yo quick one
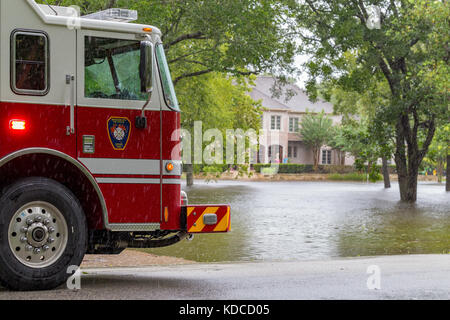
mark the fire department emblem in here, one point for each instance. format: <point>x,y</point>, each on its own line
<point>119,132</point>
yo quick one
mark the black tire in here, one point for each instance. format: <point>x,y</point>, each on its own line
<point>14,274</point>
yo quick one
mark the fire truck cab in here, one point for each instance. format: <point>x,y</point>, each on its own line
<point>89,143</point>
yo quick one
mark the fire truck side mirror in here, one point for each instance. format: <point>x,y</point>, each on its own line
<point>146,67</point>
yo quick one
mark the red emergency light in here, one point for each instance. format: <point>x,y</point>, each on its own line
<point>19,125</point>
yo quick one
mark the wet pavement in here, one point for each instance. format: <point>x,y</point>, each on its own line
<point>279,221</point>
<point>400,277</point>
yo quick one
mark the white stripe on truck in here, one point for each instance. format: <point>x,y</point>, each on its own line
<point>121,166</point>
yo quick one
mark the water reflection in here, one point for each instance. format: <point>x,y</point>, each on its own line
<point>311,220</point>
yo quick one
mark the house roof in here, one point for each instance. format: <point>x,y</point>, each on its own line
<point>299,102</point>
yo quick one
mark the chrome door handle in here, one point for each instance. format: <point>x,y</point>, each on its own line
<point>70,80</point>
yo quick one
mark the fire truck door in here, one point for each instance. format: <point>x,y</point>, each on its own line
<point>125,160</point>
<point>66,68</point>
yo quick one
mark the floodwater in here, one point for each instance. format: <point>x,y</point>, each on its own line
<point>275,221</point>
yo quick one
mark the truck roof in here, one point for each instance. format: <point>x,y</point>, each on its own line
<point>58,15</point>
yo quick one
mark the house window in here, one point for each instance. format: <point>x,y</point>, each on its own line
<point>29,62</point>
<point>275,122</point>
<point>293,124</point>
<point>292,152</point>
<point>326,156</point>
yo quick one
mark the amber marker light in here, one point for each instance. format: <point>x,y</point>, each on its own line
<point>166,214</point>
<point>169,167</point>
<point>18,125</point>
<point>147,29</point>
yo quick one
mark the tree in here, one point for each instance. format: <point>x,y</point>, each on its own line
<point>218,102</point>
<point>359,110</point>
<point>447,175</point>
<point>316,131</point>
<point>338,143</point>
<point>406,44</point>
<point>355,138</point>
<point>234,37</point>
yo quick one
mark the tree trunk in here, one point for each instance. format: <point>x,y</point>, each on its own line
<point>440,170</point>
<point>189,174</point>
<point>407,174</point>
<point>316,154</point>
<point>111,4</point>
<point>407,182</point>
<point>385,169</point>
<point>447,176</point>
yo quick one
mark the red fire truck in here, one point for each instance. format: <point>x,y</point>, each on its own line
<point>89,150</point>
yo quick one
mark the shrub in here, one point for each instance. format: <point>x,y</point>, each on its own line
<point>374,174</point>
<point>303,168</point>
<point>204,168</point>
<point>285,168</point>
<point>355,176</point>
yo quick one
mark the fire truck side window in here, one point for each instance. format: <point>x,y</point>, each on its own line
<point>168,88</point>
<point>111,69</point>
<point>30,57</point>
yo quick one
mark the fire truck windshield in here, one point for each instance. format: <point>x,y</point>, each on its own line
<point>112,69</point>
<point>166,80</point>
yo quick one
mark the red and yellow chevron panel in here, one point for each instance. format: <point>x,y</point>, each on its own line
<point>208,218</point>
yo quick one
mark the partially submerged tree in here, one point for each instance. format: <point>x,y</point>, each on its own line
<point>406,43</point>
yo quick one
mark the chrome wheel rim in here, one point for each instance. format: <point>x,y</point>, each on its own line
<point>37,234</point>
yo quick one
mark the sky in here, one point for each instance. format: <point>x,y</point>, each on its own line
<point>299,60</point>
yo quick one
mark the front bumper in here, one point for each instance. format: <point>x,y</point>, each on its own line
<point>207,218</point>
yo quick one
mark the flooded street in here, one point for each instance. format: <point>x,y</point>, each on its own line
<point>275,221</point>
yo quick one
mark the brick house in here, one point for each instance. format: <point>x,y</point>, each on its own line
<point>280,140</point>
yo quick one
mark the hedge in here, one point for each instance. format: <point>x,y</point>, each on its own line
<point>305,168</point>
<point>283,168</point>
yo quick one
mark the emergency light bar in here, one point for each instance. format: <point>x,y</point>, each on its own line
<point>114,14</point>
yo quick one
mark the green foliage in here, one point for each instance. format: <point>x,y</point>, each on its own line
<point>355,176</point>
<point>218,102</point>
<point>285,168</point>
<point>316,131</point>
<point>234,37</point>
<point>408,53</point>
<point>374,174</point>
<point>216,168</point>
<point>438,151</point>
<point>355,138</point>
